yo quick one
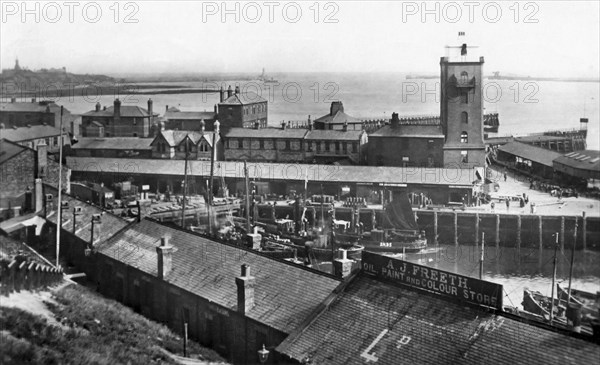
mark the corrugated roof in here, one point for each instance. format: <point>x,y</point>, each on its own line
<point>284,294</point>
<point>29,133</point>
<point>581,160</point>
<point>243,99</point>
<point>131,111</point>
<point>333,135</point>
<point>113,143</point>
<point>374,320</point>
<point>412,130</point>
<point>296,133</point>
<point>281,171</point>
<point>9,150</point>
<point>189,115</point>
<point>536,154</point>
<point>339,117</point>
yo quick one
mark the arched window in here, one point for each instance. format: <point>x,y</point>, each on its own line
<point>464,77</point>
<point>464,117</point>
<point>464,137</point>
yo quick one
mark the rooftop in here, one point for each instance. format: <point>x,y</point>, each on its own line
<point>296,133</point>
<point>410,130</point>
<point>29,133</point>
<point>30,107</point>
<point>330,134</point>
<point>179,115</point>
<point>113,143</point>
<point>285,294</point>
<point>9,150</point>
<point>128,111</point>
<point>281,171</point>
<point>581,160</point>
<point>339,117</point>
<point>243,99</point>
<point>376,322</point>
<point>174,138</point>
<point>536,154</point>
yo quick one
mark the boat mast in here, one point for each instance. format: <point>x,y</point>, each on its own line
<point>572,261</point>
<point>59,210</point>
<point>482,255</point>
<point>184,182</point>
<point>553,279</point>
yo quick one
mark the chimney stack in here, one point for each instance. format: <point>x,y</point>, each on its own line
<point>336,106</point>
<point>117,107</point>
<point>237,90</point>
<point>164,255</point>
<point>229,91</point>
<point>342,267</point>
<point>98,106</point>
<point>166,108</point>
<point>221,94</point>
<point>395,120</point>
<point>283,124</point>
<point>245,290</point>
<point>345,126</point>
<point>42,159</point>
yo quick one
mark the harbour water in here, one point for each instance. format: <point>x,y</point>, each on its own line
<point>523,106</point>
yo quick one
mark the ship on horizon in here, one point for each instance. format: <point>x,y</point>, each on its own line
<point>265,79</point>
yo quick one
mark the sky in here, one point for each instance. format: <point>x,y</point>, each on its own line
<point>541,38</point>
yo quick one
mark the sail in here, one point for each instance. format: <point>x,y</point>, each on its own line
<point>399,214</point>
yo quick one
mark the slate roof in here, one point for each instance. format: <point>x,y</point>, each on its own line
<point>424,329</point>
<point>174,138</point>
<point>333,135</point>
<point>281,171</point>
<point>29,133</point>
<point>338,118</point>
<point>9,150</point>
<point>284,294</point>
<point>243,99</point>
<point>129,111</point>
<point>295,133</point>
<point>411,130</point>
<point>113,143</point>
<point>581,160</point>
<point>28,107</point>
<point>179,115</point>
<point>110,225</point>
<point>536,154</point>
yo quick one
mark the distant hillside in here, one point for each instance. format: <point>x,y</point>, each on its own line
<point>26,82</point>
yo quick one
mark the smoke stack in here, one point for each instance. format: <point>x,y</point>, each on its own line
<point>245,290</point>
<point>342,266</point>
<point>117,107</point>
<point>150,103</point>
<point>164,257</point>
<point>229,91</point>
<point>395,120</point>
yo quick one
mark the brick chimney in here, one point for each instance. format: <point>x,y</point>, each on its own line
<point>42,160</point>
<point>229,91</point>
<point>245,290</point>
<point>150,110</point>
<point>221,94</point>
<point>117,110</point>
<point>336,106</point>
<point>342,266</point>
<point>164,257</point>
<point>395,120</point>
<point>98,106</point>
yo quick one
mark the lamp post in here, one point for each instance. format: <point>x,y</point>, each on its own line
<point>263,355</point>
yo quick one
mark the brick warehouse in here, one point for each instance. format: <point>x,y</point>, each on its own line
<point>174,276</point>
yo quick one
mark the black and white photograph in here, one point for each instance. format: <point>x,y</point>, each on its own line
<point>299,182</point>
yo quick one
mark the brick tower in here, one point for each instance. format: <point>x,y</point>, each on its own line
<point>461,107</point>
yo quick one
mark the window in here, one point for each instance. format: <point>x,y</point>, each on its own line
<point>261,144</point>
<point>464,97</point>
<point>287,145</point>
<point>204,147</point>
<point>327,146</point>
<point>135,134</point>
<point>464,117</point>
<point>240,143</point>
<point>464,137</point>
<point>337,146</point>
<point>464,156</point>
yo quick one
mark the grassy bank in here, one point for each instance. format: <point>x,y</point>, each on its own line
<point>92,330</point>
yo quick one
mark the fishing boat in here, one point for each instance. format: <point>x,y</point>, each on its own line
<point>590,303</point>
<point>398,233</point>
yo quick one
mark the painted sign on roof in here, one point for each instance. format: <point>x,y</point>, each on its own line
<point>445,283</point>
